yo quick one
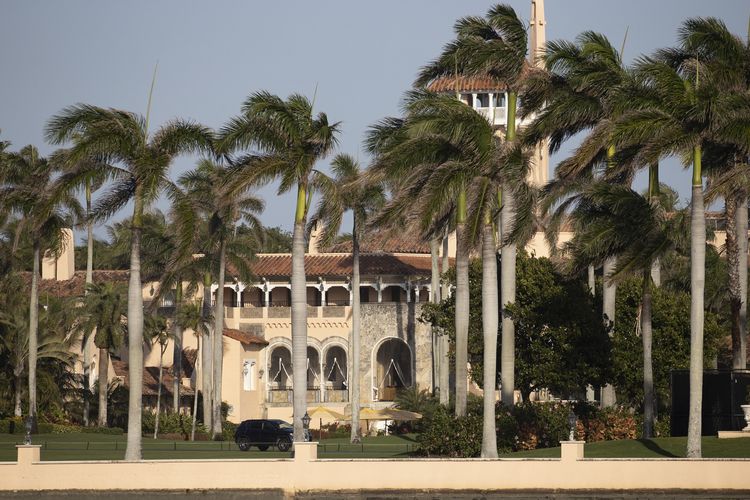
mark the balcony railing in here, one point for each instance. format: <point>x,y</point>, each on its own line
<point>280,395</point>
<point>336,396</point>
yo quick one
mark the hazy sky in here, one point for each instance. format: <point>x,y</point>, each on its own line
<point>361,56</point>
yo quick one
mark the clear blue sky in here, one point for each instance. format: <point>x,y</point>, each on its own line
<point>212,54</point>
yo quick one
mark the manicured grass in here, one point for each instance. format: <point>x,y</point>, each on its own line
<point>652,448</point>
<point>79,446</point>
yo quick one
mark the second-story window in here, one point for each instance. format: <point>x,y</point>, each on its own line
<point>499,100</point>
<point>483,100</point>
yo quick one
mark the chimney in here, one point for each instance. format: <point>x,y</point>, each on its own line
<point>61,268</point>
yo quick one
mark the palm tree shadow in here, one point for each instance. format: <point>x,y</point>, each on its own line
<point>653,446</point>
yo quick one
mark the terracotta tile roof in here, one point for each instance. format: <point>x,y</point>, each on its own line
<point>151,379</point>
<point>340,265</point>
<point>74,287</point>
<point>383,242</point>
<point>466,84</point>
<point>244,337</point>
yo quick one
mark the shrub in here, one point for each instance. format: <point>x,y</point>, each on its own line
<point>227,431</point>
<point>445,435</point>
<point>541,425</point>
<point>170,423</point>
<point>604,424</point>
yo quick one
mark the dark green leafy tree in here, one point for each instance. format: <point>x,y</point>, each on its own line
<point>561,343</point>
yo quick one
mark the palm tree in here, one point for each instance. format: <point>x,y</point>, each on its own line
<point>449,148</point>
<point>29,189</point>
<point>139,167</point>
<point>104,310</point>
<point>584,89</point>
<point>289,140</point>
<point>347,191</point>
<point>612,220</point>
<point>190,317</point>
<point>14,337</point>
<point>155,331</point>
<point>725,58</point>
<point>494,46</point>
<point>224,210</point>
<point>687,114</point>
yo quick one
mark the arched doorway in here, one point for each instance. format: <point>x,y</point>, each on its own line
<point>392,369</point>
<point>280,375</point>
<point>313,375</point>
<point>336,375</point>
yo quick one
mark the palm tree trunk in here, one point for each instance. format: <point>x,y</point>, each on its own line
<point>299,316</point>
<point>103,372</point>
<point>89,280</point>
<point>198,383</point>
<point>742,244</point>
<point>135,335</point>
<point>158,391</point>
<point>354,376</point>
<point>33,328</point>
<point>697,285</point>
<point>462,307</point>
<point>609,294</point>
<point>445,372</point>
<point>435,298</point>
<point>489,327</point>
<point>507,296</point>
<point>653,191</point>
<point>18,410</point>
<point>648,369</point>
<point>206,359</point>
<point>733,272</point>
<point>218,347</point>
<point>177,351</point>
<point>591,280</point>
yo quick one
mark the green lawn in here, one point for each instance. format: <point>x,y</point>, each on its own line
<point>651,448</point>
<point>80,446</point>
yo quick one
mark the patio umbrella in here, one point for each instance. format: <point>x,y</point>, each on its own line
<point>401,415</point>
<point>322,412</point>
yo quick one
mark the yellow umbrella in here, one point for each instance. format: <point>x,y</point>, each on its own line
<point>401,415</point>
<point>323,412</point>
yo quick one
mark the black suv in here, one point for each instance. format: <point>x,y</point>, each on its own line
<point>264,434</point>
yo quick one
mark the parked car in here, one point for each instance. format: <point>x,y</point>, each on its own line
<point>264,434</point>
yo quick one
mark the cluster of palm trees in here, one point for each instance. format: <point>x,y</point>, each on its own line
<point>445,168</point>
<point>690,102</point>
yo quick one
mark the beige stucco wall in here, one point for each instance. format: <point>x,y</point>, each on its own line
<point>307,473</point>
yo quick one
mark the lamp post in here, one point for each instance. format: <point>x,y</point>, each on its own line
<point>572,425</point>
<point>306,425</point>
<point>29,425</point>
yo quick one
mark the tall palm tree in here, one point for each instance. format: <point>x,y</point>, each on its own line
<point>725,59</point>
<point>155,331</point>
<point>494,46</point>
<point>190,317</point>
<point>29,190</point>
<point>612,220</point>
<point>288,140</point>
<point>448,147</point>
<point>584,89</point>
<point>688,114</point>
<point>139,164</point>
<point>347,191</point>
<point>224,210</point>
<point>104,309</point>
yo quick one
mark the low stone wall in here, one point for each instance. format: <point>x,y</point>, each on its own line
<point>305,472</point>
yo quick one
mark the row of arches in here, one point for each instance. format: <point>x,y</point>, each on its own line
<point>327,375</point>
<point>337,295</point>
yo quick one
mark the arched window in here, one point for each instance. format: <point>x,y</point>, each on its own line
<point>393,369</point>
